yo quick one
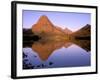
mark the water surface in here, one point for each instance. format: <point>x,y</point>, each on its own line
<point>56,54</point>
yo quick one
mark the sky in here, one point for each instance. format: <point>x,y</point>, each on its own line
<point>71,20</point>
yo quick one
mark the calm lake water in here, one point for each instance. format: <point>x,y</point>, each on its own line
<point>53,55</point>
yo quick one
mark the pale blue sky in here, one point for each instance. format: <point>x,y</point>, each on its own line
<point>70,20</point>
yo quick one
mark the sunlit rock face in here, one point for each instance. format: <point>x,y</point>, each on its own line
<point>44,25</point>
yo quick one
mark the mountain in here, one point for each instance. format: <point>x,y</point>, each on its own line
<point>43,20</point>
<point>44,25</point>
<point>45,29</point>
<point>83,32</point>
<point>67,31</point>
<point>58,30</point>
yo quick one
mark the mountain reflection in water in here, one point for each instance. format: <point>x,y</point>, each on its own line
<point>51,54</point>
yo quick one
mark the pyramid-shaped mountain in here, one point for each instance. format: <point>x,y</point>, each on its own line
<point>43,20</point>
<point>44,25</point>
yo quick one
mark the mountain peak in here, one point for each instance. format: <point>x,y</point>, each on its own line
<point>44,20</point>
<point>46,26</point>
<point>87,25</point>
<point>43,25</point>
<point>84,31</point>
<point>43,17</point>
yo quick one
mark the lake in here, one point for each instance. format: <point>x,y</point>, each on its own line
<point>58,54</point>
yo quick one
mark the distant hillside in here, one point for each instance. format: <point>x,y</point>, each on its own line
<point>83,32</point>
<point>67,31</point>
